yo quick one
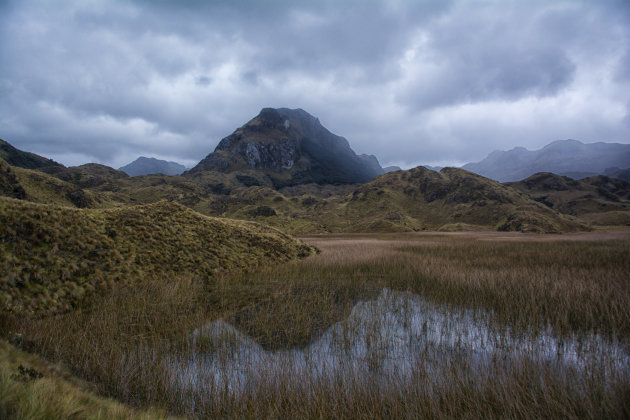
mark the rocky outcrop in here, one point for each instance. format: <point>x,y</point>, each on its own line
<point>291,147</point>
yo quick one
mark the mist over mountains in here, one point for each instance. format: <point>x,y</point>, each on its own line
<point>146,166</point>
<point>563,157</point>
<point>284,168</point>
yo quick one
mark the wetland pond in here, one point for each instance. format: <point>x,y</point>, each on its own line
<point>396,338</point>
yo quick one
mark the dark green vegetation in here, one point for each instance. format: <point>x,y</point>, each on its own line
<point>52,257</point>
<point>576,284</point>
<point>22,159</point>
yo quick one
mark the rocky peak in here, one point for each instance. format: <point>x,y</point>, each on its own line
<point>291,147</point>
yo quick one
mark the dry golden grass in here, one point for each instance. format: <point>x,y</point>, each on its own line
<point>53,257</point>
<point>568,284</point>
<point>33,389</point>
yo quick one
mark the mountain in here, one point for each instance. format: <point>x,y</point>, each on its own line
<point>600,200</point>
<point>146,166</point>
<point>284,147</point>
<point>559,157</point>
<point>403,200</point>
<point>16,157</point>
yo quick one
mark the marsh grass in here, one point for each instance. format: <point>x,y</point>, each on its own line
<point>125,342</point>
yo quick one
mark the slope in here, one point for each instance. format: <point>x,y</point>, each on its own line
<point>416,199</point>
<point>282,147</point>
<point>55,256</point>
<point>16,157</point>
<point>39,187</point>
<point>599,200</point>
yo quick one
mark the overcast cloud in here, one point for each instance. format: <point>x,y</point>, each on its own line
<point>431,82</point>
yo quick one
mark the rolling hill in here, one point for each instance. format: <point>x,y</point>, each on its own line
<point>53,256</point>
<point>599,200</point>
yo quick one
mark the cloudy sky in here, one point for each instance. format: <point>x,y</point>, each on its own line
<point>431,82</point>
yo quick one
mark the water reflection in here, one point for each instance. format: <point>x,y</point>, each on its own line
<point>383,341</point>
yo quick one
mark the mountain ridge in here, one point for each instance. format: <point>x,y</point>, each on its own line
<point>559,157</point>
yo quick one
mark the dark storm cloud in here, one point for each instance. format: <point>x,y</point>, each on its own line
<point>412,82</point>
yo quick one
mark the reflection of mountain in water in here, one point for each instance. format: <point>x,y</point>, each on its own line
<point>390,338</point>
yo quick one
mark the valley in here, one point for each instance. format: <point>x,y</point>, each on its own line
<point>285,276</point>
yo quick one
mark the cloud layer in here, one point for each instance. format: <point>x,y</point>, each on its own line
<point>439,82</point>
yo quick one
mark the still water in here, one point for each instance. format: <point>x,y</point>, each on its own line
<point>384,341</point>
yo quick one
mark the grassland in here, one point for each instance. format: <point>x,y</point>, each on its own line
<point>31,388</point>
<point>124,343</point>
<point>53,257</point>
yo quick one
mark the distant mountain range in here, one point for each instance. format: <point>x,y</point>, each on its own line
<point>285,169</point>
<point>289,147</point>
<point>564,157</point>
<point>147,166</point>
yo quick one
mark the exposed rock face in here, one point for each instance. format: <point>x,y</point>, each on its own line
<point>291,147</point>
<point>275,157</point>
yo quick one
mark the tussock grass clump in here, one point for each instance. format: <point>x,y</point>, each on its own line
<point>52,257</point>
<point>30,388</point>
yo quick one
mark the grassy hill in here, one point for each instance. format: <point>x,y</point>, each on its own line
<point>55,256</point>
<point>452,199</point>
<point>411,200</point>
<point>39,187</point>
<point>599,200</point>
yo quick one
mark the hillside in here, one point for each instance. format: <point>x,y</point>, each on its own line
<point>39,187</point>
<point>560,157</point>
<point>412,200</point>
<point>148,166</point>
<point>55,256</point>
<point>452,199</point>
<point>404,200</point>
<point>19,158</point>
<point>599,200</point>
<point>283,147</point>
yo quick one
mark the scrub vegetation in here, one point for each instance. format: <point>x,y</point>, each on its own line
<point>53,257</point>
